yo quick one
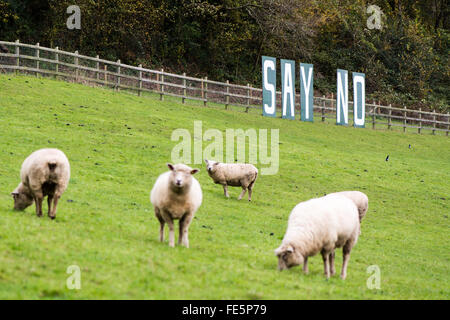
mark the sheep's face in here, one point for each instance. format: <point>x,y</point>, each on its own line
<point>22,199</point>
<point>288,257</point>
<point>211,166</point>
<point>181,176</point>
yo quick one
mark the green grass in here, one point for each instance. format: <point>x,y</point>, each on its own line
<point>119,143</point>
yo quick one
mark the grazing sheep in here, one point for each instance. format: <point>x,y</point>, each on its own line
<point>176,195</point>
<point>45,172</point>
<point>360,199</point>
<point>233,174</point>
<point>320,225</point>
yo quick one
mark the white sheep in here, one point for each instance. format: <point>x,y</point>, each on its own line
<point>359,198</point>
<point>176,194</point>
<point>361,201</point>
<point>233,174</point>
<point>320,225</point>
<point>45,172</point>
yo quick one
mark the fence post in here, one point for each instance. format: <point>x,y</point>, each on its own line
<point>202,88</point>
<point>106,73</point>
<point>374,111</point>
<point>17,55</point>
<point>227,97</point>
<point>118,76</point>
<point>448,124</point>
<point>76,66</point>
<point>248,97</point>
<point>98,66</point>
<point>323,108</point>
<point>161,95</point>
<point>37,60</point>
<point>184,88</point>
<point>158,86</point>
<point>140,80</point>
<point>389,119</point>
<point>434,122</point>
<point>404,119</point>
<point>206,92</point>
<point>57,62</point>
<point>420,120</point>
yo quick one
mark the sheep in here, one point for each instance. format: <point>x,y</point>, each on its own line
<point>176,194</point>
<point>45,172</point>
<point>320,225</point>
<point>233,174</point>
<point>359,198</point>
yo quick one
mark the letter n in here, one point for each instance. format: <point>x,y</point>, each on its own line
<point>342,97</point>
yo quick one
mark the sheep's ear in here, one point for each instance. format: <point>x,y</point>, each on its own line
<point>278,251</point>
<point>194,171</point>
<point>290,249</point>
<point>216,163</point>
<point>206,161</point>
<point>170,166</point>
<point>14,194</point>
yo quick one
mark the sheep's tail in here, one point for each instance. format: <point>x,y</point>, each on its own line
<point>52,165</point>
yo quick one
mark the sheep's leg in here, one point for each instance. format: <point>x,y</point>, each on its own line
<point>180,231</point>
<point>184,230</point>
<point>171,233</point>
<point>332,268</point>
<point>161,224</point>
<point>250,190</point>
<point>244,189</point>
<point>49,204</point>
<point>38,197</point>
<point>346,257</point>
<point>305,265</point>
<point>326,263</point>
<point>225,190</point>
<point>55,204</point>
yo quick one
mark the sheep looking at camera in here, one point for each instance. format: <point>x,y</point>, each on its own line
<point>233,174</point>
<point>45,172</point>
<point>176,195</point>
<point>320,225</point>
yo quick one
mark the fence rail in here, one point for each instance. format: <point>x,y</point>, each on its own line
<point>35,59</point>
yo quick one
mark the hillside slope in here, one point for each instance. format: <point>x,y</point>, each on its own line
<point>118,144</point>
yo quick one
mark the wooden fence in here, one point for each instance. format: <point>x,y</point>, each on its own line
<point>34,59</point>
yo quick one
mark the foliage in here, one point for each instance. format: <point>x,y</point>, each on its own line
<point>406,62</point>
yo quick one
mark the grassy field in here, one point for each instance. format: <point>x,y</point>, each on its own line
<point>119,143</point>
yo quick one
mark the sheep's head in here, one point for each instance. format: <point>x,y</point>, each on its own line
<point>288,257</point>
<point>211,166</point>
<point>22,198</point>
<point>180,176</point>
